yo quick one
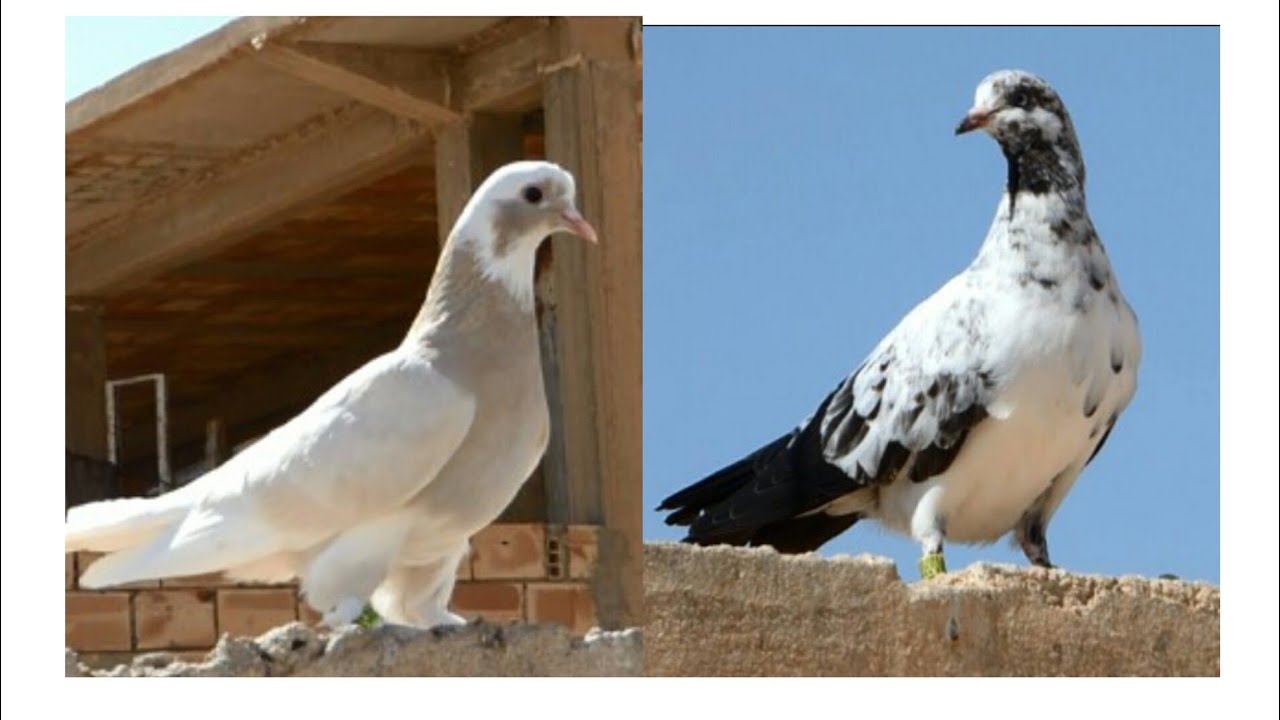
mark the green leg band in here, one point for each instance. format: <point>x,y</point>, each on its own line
<point>932,565</point>
<point>368,618</point>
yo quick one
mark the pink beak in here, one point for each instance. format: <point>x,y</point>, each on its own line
<point>578,225</point>
<point>974,120</point>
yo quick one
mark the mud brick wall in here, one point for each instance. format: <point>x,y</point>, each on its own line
<point>515,573</point>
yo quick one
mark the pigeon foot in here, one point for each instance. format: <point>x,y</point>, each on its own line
<point>344,613</point>
<point>449,619</point>
<point>932,565</point>
<point>368,618</point>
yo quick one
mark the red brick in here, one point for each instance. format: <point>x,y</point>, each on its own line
<point>493,601</point>
<point>85,558</point>
<point>98,622</point>
<point>174,619</point>
<point>567,604</point>
<point>71,570</point>
<point>582,550</point>
<point>508,552</point>
<point>249,613</point>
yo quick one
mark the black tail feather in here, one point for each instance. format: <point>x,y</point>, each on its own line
<point>720,485</point>
<point>768,497</point>
<point>804,534</point>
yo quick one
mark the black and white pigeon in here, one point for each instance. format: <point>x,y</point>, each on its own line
<point>976,414</point>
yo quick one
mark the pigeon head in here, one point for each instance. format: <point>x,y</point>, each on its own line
<point>510,214</point>
<point>1030,122</point>
<point>522,203</point>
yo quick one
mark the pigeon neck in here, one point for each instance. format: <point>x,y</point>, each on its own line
<point>1039,229</point>
<point>465,296</point>
<point>510,267</point>
<point>1038,166</point>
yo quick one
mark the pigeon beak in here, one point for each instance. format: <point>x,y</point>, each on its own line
<point>974,120</point>
<point>572,221</point>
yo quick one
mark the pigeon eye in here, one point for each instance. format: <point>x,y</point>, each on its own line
<point>1019,99</point>
<point>532,194</point>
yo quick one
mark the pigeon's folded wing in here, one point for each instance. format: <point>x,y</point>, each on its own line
<point>912,402</point>
<point>361,450</point>
<point>907,408</point>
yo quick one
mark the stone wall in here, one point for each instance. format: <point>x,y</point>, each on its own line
<point>731,611</point>
<point>479,649</point>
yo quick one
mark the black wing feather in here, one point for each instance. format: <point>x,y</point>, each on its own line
<point>775,495</point>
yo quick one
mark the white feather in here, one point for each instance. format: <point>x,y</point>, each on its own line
<point>360,451</point>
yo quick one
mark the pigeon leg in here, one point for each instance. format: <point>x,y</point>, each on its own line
<point>341,577</point>
<point>1031,538</point>
<point>343,613</point>
<point>419,594</point>
<point>929,529</point>
<point>932,565</point>
<point>368,618</point>
<point>446,619</point>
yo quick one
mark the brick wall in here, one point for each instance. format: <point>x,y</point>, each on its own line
<point>515,572</point>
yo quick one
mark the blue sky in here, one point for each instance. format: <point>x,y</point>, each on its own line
<point>803,190</point>
<point>99,48</point>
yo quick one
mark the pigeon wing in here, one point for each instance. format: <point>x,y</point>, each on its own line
<point>910,405</point>
<point>361,450</point>
<point>907,408</point>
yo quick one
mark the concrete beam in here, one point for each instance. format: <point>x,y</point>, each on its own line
<point>409,83</point>
<point>332,156</point>
<point>507,77</point>
<point>593,304</point>
<point>163,72</point>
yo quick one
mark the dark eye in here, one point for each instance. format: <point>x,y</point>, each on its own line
<point>1019,98</point>
<point>532,194</point>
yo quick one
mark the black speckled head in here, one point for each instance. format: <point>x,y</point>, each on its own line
<point>1026,116</point>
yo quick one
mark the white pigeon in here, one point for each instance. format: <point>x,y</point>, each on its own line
<point>975,415</point>
<point>371,493</point>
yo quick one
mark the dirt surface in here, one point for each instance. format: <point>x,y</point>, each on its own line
<point>733,611</point>
<point>478,649</point>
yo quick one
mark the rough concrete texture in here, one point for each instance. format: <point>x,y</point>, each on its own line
<point>733,611</point>
<point>479,649</point>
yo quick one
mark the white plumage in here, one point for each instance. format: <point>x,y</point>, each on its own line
<point>373,491</point>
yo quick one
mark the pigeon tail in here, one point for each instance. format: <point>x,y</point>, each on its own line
<point>762,499</point>
<point>687,504</point>
<point>112,525</point>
